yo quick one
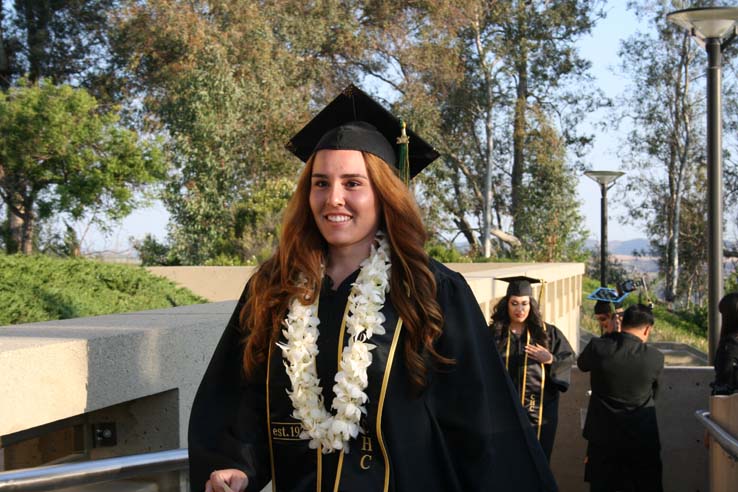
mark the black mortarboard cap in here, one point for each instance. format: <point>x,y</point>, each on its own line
<point>355,121</point>
<point>520,285</point>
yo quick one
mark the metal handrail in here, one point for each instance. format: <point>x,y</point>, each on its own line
<point>727,441</point>
<point>70,474</point>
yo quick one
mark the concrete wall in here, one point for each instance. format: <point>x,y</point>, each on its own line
<point>560,306</point>
<point>60,369</point>
<point>682,391</point>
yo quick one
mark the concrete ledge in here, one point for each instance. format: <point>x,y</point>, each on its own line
<point>54,370</point>
<point>562,298</point>
<point>219,283</point>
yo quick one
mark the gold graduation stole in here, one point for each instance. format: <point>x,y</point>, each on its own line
<point>531,386</point>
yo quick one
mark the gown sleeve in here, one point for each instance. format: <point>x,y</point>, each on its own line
<point>560,370</point>
<point>587,359</point>
<point>486,434</point>
<point>227,427</point>
<point>726,368</point>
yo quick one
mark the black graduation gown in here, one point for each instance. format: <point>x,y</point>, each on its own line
<point>464,432</point>
<point>726,367</point>
<point>621,427</point>
<point>553,379</point>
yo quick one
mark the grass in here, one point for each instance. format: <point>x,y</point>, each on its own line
<point>42,288</point>
<point>671,325</point>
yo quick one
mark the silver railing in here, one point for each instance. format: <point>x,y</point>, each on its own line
<point>728,442</point>
<point>83,473</point>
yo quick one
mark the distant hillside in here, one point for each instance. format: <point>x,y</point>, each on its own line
<point>41,288</point>
<point>621,247</point>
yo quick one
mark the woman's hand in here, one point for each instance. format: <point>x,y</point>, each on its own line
<point>230,480</point>
<point>539,353</point>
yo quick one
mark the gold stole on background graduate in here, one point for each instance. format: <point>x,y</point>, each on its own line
<point>532,385</point>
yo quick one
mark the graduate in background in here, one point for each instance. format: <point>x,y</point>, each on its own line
<point>622,433</point>
<point>354,362</point>
<point>537,356</point>
<point>609,315</point>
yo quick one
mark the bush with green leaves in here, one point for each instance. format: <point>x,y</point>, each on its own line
<point>41,288</point>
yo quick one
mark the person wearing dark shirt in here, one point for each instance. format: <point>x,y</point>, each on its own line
<point>608,315</point>
<point>726,354</point>
<point>536,354</point>
<point>623,447</point>
<point>353,362</point>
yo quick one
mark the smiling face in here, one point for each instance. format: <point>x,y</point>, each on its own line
<point>518,308</point>
<point>343,201</point>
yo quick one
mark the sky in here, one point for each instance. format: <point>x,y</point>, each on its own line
<point>600,48</point>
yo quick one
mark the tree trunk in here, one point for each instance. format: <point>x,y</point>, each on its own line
<point>29,225</point>
<point>672,252</point>
<point>37,16</point>
<point>15,232</point>
<point>468,232</point>
<point>489,151</point>
<point>4,56</point>
<point>519,120</point>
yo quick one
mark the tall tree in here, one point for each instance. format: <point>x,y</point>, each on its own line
<point>549,224</point>
<point>61,154</point>
<point>463,68</point>
<point>666,138</point>
<point>539,43</point>
<point>61,41</point>
<point>229,82</point>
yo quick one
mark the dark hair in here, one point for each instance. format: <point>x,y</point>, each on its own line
<point>728,307</point>
<point>636,316</point>
<point>603,307</point>
<point>534,321</point>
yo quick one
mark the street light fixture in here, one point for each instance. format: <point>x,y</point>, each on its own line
<point>606,180</point>
<point>713,28</point>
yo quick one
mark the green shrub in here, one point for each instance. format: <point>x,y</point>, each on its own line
<point>41,288</point>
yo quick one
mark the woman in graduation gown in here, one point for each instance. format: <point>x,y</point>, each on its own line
<point>537,356</point>
<point>353,362</point>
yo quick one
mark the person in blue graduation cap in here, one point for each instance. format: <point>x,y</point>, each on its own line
<point>609,316</point>
<point>536,354</point>
<point>353,361</point>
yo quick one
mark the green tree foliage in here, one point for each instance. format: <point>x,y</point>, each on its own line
<point>153,253</point>
<point>549,225</point>
<point>60,154</point>
<point>456,68</point>
<point>665,145</point>
<point>65,41</point>
<point>229,82</point>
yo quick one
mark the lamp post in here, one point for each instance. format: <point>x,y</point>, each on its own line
<point>606,180</point>
<point>713,28</point>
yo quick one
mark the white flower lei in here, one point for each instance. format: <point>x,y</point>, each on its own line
<point>333,432</point>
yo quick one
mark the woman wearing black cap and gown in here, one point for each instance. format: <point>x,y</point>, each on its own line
<point>353,362</point>
<point>536,354</point>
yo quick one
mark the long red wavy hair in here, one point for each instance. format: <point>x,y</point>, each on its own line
<point>301,253</point>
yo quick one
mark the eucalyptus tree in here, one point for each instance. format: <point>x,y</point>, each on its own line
<point>665,145</point>
<point>469,72</point>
